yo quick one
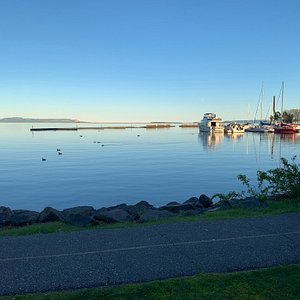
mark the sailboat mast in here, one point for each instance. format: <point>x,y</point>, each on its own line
<point>282,97</point>
<point>262,99</point>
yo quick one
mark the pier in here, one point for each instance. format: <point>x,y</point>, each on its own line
<point>148,126</point>
<point>83,128</point>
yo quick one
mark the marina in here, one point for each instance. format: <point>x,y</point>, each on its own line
<point>213,124</point>
<point>109,167</point>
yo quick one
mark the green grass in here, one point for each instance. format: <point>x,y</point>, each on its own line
<point>274,207</point>
<point>274,283</point>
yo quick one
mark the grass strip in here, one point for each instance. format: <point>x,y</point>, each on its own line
<point>274,283</point>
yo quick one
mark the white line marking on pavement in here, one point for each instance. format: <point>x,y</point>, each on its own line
<point>148,246</point>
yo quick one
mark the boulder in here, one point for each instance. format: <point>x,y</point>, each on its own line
<point>138,209</point>
<point>224,204</point>
<point>176,208</point>
<point>50,214</point>
<point>155,214</point>
<point>205,201</point>
<point>79,216</point>
<point>79,210</point>
<point>120,206</point>
<point>248,202</point>
<point>113,215</point>
<point>24,217</point>
<point>195,202</point>
<point>79,220</point>
<point>173,203</point>
<point>5,216</point>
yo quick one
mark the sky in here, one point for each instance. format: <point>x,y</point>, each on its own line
<point>147,60</point>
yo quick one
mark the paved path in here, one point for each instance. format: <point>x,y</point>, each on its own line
<point>106,257</point>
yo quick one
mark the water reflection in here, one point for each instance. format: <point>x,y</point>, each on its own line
<point>210,140</point>
<point>234,136</point>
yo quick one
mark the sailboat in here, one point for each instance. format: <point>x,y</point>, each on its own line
<point>284,128</point>
<point>262,127</point>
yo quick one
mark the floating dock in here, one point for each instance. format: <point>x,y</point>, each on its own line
<point>147,126</point>
<point>83,128</point>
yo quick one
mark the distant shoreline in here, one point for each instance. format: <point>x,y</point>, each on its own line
<point>72,121</point>
<point>33,120</point>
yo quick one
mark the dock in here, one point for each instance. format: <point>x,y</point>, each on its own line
<point>83,128</point>
<point>148,126</point>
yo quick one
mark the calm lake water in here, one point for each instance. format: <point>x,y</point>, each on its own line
<point>159,165</point>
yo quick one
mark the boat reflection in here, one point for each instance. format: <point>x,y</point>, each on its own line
<point>210,140</point>
<point>234,136</point>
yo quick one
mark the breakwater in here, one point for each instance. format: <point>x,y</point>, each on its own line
<point>148,126</point>
<point>138,213</point>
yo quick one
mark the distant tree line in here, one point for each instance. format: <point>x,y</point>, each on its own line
<point>288,116</point>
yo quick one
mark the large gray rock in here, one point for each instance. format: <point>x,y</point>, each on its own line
<point>24,217</point>
<point>176,208</point>
<point>79,220</point>
<point>79,216</point>
<point>195,202</point>
<point>50,214</point>
<point>173,203</point>
<point>113,215</point>
<point>205,201</point>
<point>155,214</point>
<point>224,204</point>
<point>6,215</point>
<point>138,209</point>
<point>248,202</point>
<point>120,206</point>
<point>79,210</point>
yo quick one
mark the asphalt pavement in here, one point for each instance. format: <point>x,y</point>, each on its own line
<point>95,258</point>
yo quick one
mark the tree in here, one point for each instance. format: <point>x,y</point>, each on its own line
<point>295,112</point>
<point>287,117</point>
<point>276,117</point>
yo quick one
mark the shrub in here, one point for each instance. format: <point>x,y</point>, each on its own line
<point>282,180</point>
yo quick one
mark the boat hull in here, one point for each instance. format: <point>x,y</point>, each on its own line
<point>211,129</point>
<point>260,129</point>
<point>285,130</point>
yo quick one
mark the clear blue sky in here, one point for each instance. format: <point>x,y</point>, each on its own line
<point>146,60</point>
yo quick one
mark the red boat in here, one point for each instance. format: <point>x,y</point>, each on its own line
<point>285,128</point>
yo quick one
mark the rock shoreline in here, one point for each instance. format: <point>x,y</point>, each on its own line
<point>138,213</point>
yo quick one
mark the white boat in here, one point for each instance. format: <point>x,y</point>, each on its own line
<point>260,129</point>
<point>234,128</point>
<point>211,123</point>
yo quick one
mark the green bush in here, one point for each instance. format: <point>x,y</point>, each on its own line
<point>282,180</point>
